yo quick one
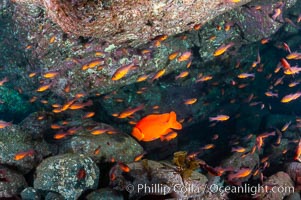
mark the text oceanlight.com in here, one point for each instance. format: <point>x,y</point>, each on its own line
<point>213,188</point>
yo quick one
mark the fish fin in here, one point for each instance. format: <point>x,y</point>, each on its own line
<point>137,134</point>
<point>173,121</point>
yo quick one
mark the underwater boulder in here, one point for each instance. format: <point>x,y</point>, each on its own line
<point>105,194</point>
<point>279,180</point>
<point>30,193</point>
<point>68,174</point>
<point>148,177</point>
<point>15,142</point>
<point>103,147</point>
<point>11,182</point>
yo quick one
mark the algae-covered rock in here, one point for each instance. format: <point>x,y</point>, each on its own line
<point>146,174</point>
<point>30,194</point>
<point>283,186</point>
<point>11,182</point>
<point>13,141</point>
<point>105,194</point>
<point>103,147</point>
<point>67,174</point>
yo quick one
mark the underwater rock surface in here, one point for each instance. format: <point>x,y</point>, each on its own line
<point>67,174</point>
<point>12,183</point>
<point>103,147</point>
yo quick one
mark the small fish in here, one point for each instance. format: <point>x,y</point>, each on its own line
<point>246,75</point>
<point>52,39</point>
<point>290,97</point>
<point>99,131</point>
<point>170,136</point>
<point>242,173</point>
<point>222,49</point>
<point>139,157</point>
<point>60,135</point>
<point>44,87</point>
<point>264,40</point>
<point>182,75</point>
<point>77,106</point>
<point>184,56</point>
<point>122,71</point>
<point>158,74</point>
<point>219,118</point>
<point>208,146</point>
<point>204,78</point>
<point>92,64</point>
<point>292,71</point>
<point>173,55</point>
<point>130,112</point>
<point>298,152</point>
<point>294,55</point>
<point>81,174</point>
<point>32,74</point>
<point>238,149</point>
<point>190,101</point>
<point>276,14</point>
<point>293,84</point>
<point>23,154</point>
<point>88,115</point>
<point>50,75</point>
<point>4,124</point>
<point>142,78</point>
<point>197,27</point>
<point>4,80</point>
<point>285,127</point>
<point>124,167</point>
<point>271,94</point>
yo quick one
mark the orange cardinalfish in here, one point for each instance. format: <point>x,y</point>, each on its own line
<point>23,154</point>
<point>4,124</point>
<point>184,56</point>
<point>190,101</point>
<point>292,71</point>
<point>130,112</point>
<point>139,157</point>
<point>50,75</point>
<point>290,97</point>
<point>182,75</point>
<point>242,173</point>
<point>122,71</point>
<point>246,75</point>
<point>219,118</point>
<point>124,167</point>
<point>3,81</point>
<point>173,55</point>
<point>155,126</point>
<point>92,64</point>
<point>222,49</point>
<point>77,106</point>
<point>98,131</point>
<point>271,94</point>
<point>294,55</point>
<point>158,74</point>
<point>285,127</point>
<point>44,87</point>
<point>89,115</point>
<point>238,149</point>
<point>298,152</point>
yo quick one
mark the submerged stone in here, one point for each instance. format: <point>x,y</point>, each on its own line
<point>67,174</point>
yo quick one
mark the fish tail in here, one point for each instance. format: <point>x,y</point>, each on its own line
<point>173,121</point>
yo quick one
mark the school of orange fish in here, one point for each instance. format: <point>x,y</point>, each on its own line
<point>162,126</point>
